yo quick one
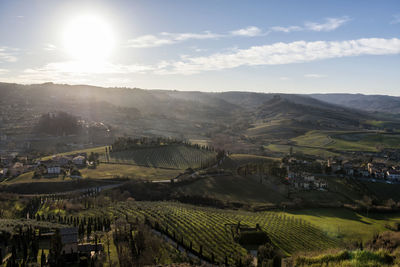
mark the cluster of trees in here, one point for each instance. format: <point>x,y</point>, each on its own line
<point>60,123</point>
<point>138,246</point>
<point>23,245</point>
<point>85,225</point>
<point>127,143</point>
<point>92,225</point>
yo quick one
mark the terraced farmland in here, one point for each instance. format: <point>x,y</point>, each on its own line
<point>208,228</point>
<point>168,156</point>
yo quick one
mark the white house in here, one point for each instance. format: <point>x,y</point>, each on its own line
<point>79,160</point>
<point>53,170</point>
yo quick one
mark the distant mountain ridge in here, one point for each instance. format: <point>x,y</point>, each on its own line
<point>378,103</point>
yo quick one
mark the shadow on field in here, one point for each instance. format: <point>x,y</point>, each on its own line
<point>331,212</point>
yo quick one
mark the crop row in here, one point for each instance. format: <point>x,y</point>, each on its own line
<point>172,156</point>
<point>207,229</point>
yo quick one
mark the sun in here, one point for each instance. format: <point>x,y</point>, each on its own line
<point>88,38</point>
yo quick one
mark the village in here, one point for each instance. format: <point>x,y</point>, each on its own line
<point>12,166</point>
<point>302,173</point>
<point>306,174</point>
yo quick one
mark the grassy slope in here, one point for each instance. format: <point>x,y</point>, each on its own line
<point>346,224</point>
<point>106,171</point>
<point>236,160</point>
<point>209,226</point>
<point>347,258</point>
<point>237,189</point>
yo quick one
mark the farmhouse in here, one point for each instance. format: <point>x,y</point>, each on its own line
<point>54,169</point>
<point>79,160</point>
<point>69,240</point>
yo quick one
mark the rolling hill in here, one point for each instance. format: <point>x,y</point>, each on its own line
<point>237,121</point>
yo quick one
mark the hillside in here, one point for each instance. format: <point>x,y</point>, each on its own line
<point>235,121</point>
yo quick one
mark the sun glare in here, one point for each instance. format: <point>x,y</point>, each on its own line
<point>88,39</point>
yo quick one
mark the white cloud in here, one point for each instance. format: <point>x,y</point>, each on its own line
<point>284,78</point>
<point>286,29</point>
<point>271,54</point>
<point>166,38</point>
<point>78,72</point>
<point>3,71</point>
<point>77,67</point>
<point>250,31</point>
<point>396,19</point>
<point>50,47</point>
<point>7,54</point>
<point>329,25</point>
<point>191,36</point>
<point>282,53</point>
<point>148,41</point>
<point>314,75</point>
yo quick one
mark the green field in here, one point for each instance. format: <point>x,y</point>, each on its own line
<point>209,227</point>
<point>168,156</point>
<point>348,258</point>
<point>346,224</point>
<point>349,141</point>
<point>329,143</point>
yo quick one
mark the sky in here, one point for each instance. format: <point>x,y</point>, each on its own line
<point>310,46</point>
